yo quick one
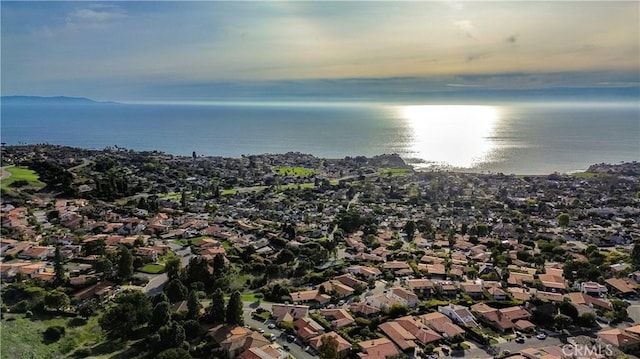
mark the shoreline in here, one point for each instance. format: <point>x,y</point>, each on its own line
<point>414,166</point>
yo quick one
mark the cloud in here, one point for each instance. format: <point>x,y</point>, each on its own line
<point>94,16</point>
<point>466,28</point>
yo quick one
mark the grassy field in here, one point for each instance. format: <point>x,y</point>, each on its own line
<point>394,171</point>
<point>584,174</point>
<point>22,337</point>
<point>151,268</point>
<point>21,173</point>
<point>294,171</point>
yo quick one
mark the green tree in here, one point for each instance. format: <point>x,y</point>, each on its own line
<point>58,267</point>
<point>125,263</point>
<point>174,353</point>
<point>562,321</point>
<point>410,230</point>
<point>285,256</point>
<point>56,300</point>
<point>635,256</point>
<point>176,291</point>
<point>216,311</point>
<point>563,220</point>
<point>171,335</point>
<point>398,310</point>
<point>193,304</point>
<point>160,315</point>
<point>104,266</point>
<point>328,348</point>
<point>234,310</point>
<point>174,268</point>
<point>159,298</point>
<point>131,309</point>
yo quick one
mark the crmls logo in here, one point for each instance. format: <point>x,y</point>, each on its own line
<point>586,350</point>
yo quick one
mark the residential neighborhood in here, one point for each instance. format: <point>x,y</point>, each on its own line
<point>293,256</point>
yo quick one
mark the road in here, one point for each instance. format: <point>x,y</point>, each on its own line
<point>512,347</point>
<point>281,338</point>
<point>157,281</point>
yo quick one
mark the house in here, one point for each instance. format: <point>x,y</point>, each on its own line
<point>381,348</point>
<point>148,254</point>
<point>423,334</point>
<point>307,328</point>
<point>400,336</point>
<point>505,319</point>
<point>492,317</point>
<point>99,290</point>
<point>404,296</point>
<point>446,288</point>
<point>459,314</point>
<point>235,340</point>
<point>289,312</point>
<point>269,351</point>
<point>473,289</point>
<point>334,286</point>
<point>441,324</point>
<point>364,271</point>
<point>497,293</point>
<point>343,344</point>
<point>422,287</point>
<point>312,297</point>
<point>37,252</point>
<point>623,339</point>
<point>622,287</point>
<point>351,281</point>
<point>594,289</point>
<point>337,317</point>
<point>363,308</point>
<point>582,298</point>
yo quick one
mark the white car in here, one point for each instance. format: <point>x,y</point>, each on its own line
<point>271,326</point>
<point>260,330</point>
<point>541,336</point>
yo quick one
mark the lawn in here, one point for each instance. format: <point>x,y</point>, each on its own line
<point>294,171</point>
<point>24,174</point>
<point>151,268</point>
<point>171,195</point>
<point>22,337</point>
<point>583,174</point>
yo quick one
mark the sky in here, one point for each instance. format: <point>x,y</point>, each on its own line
<point>197,50</point>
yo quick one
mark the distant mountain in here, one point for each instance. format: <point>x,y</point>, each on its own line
<point>47,100</point>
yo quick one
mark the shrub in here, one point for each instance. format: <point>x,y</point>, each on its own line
<point>53,334</point>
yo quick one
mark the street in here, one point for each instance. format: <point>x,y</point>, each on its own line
<point>294,348</point>
<point>157,281</point>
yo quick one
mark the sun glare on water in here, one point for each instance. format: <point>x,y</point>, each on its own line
<point>455,135</point>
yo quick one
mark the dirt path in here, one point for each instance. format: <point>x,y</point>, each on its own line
<point>5,174</point>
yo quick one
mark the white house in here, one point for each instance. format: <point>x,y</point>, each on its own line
<point>459,314</point>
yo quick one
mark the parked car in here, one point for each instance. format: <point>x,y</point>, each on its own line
<point>260,330</point>
<point>541,336</point>
<point>520,340</point>
<point>290,338</point>
<point>286,347</point>
<point>271,326</point>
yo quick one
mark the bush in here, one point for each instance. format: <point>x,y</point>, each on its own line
<point>21,307</point>
<point>53,334</point>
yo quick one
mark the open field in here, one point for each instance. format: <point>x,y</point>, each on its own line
<point>21,174</point>
<point>294,171</point>
<point>22,337</point>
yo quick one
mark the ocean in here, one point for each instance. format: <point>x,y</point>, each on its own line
<point>521,138</point>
